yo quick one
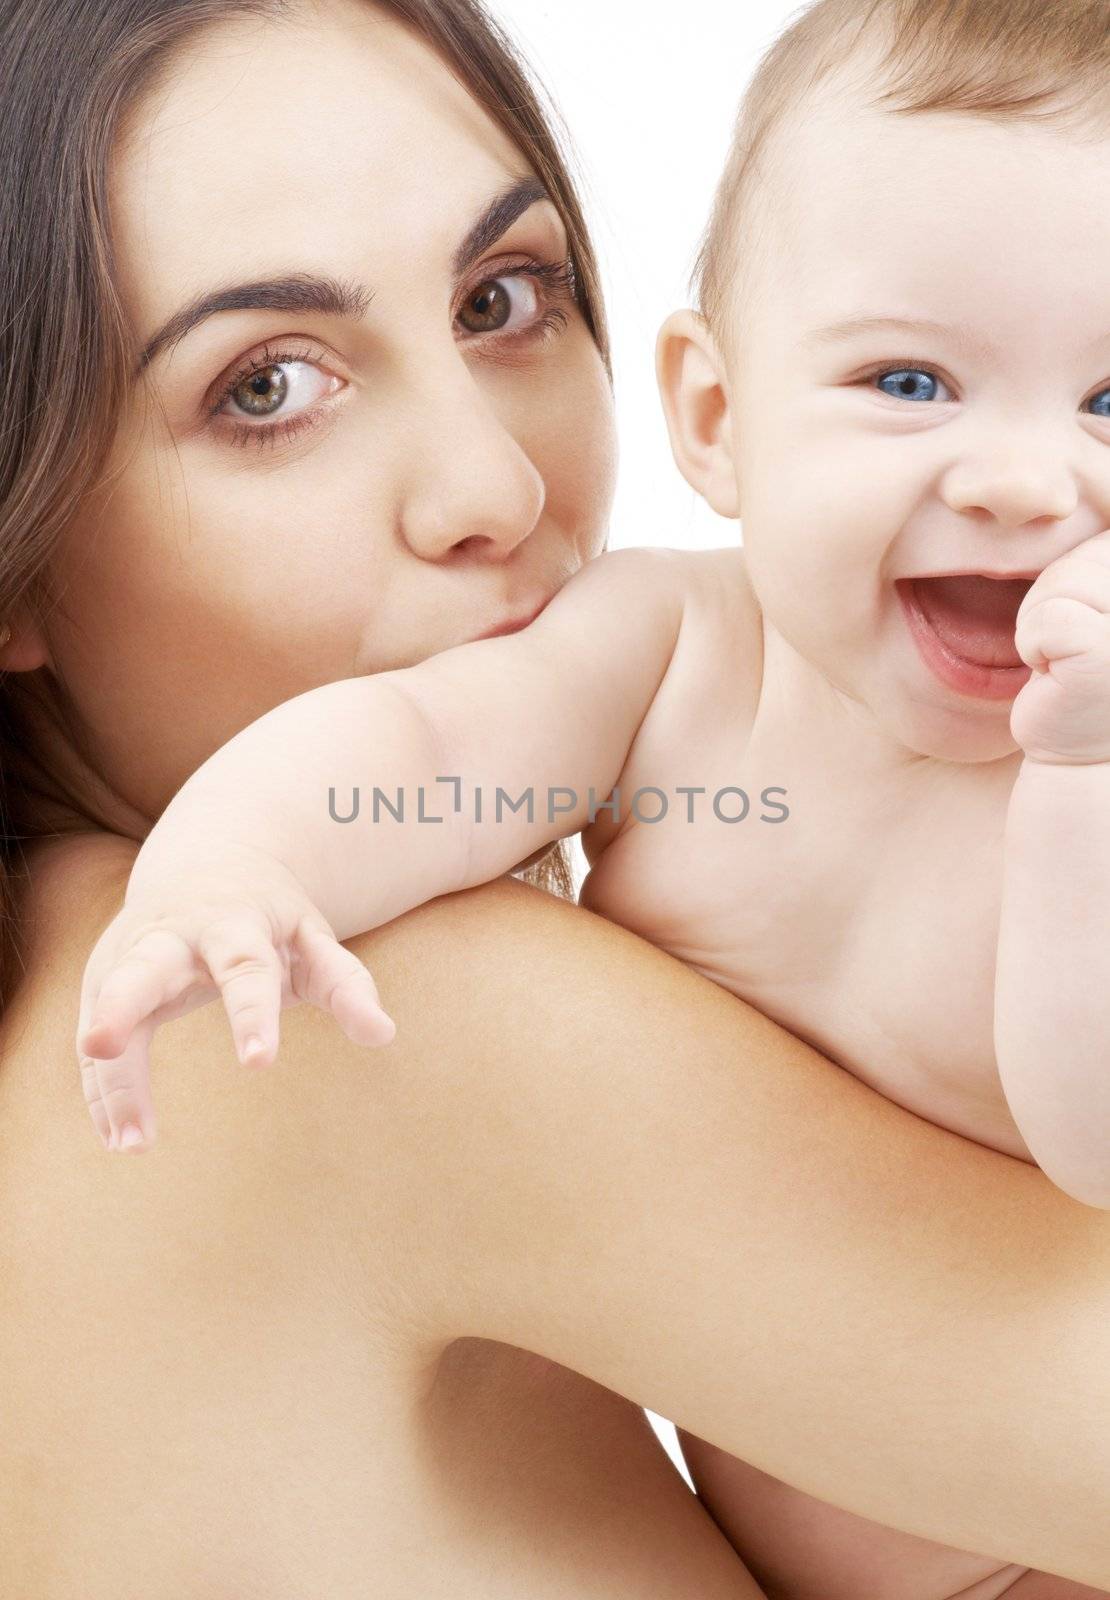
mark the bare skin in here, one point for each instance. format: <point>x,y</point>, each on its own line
<point>451,486</point>
<point>297,1424</point>
<point>925,923</point>
<point>552,1166</point>
<point>463,473</point>
<point>870,923</point>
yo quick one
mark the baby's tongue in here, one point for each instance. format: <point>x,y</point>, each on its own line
<point>975,617</point>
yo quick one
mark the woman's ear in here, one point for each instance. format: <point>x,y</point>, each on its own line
<point>694,391</point>
<point>23,644</point>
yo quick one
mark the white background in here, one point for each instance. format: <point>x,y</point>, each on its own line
<point>648,91</point>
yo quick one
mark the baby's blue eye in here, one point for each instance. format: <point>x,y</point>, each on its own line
<point>909,383</point>
<point>1100,403</point>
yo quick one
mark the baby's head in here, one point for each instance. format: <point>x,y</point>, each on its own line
<point>901,367</point>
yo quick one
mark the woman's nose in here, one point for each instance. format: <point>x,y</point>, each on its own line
<point>1016,483</point>
<point>471,487</point>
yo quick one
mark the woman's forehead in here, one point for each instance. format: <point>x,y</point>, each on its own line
<point>286,139</point>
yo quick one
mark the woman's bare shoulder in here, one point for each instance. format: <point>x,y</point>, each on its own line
<point>251,1278</point>
<point>259,1145</point>
<point>72,888</point>
<point>514,1010</point>
<point>67,886</point>
<point>240,1154</point>
<point>572,1139</point>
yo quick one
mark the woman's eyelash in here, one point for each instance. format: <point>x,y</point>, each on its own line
<point>268,434</point>
<point>560,282</point>
<point>558,279</point>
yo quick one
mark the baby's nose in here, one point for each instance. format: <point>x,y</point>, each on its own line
<point>1013,486</point>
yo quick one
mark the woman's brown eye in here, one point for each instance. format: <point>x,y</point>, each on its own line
<point>261,393</point>
<point>488,308</point>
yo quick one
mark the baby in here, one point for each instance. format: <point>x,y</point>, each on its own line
<point>859,771</point>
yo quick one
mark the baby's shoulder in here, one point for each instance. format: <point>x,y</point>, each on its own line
<point>710,692</point>
<point>721,640</point>
<point>720,612</point>
<point>697,728</point>
<point>720,578</point>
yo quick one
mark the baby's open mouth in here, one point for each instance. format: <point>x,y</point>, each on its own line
<point>974,616</point>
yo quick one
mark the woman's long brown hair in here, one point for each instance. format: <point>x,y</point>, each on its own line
<point>70,72</point>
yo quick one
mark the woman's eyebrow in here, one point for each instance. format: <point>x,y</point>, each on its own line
<point>304,292</point>
<point>497,218</point>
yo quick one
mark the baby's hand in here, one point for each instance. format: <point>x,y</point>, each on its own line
<point>242,927</point>
<point>1062,714</point>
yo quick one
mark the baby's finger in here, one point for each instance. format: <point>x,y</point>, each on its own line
<point>157,969</point>
<point>117,1093</point>
<point>90,1088</point>
<point>1057,628</point>
<point>336,980</point>
<point>90,1082</point>
<point>239,953</point>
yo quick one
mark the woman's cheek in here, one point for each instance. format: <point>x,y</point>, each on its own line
<point>577,454</point>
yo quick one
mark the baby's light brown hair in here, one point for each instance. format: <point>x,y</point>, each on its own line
<point>1024,60</point>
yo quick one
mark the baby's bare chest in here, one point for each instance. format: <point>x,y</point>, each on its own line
<point>862,915</point>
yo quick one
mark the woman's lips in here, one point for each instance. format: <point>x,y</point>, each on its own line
<point>516,624</point>
<point>963,626</point>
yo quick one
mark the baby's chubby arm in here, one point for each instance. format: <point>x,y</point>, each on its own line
<point>551,711</point>
<point>247,882</point>
<point>1052,989</point>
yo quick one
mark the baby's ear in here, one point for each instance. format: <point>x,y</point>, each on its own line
<point>694,391</point>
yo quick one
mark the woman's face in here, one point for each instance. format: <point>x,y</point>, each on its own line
<point>449,458</point>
